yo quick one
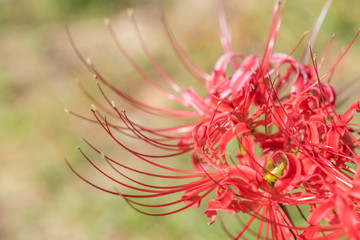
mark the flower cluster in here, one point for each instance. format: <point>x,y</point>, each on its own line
<point>294,151</point>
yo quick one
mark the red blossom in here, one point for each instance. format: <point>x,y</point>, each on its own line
<point>307,151</point>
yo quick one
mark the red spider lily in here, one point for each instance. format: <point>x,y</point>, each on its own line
<point>307,151</point>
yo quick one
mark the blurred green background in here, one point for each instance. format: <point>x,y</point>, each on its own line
<point>40,198</point>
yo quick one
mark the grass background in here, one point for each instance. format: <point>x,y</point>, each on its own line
<point>40,198</point>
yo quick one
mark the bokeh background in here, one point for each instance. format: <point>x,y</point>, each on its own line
<point>40,198</point>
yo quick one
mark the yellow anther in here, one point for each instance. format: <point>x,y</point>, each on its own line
<point>130,11</point>
<point>88,61</point>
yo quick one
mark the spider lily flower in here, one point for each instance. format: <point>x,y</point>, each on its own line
<point>306,151</point>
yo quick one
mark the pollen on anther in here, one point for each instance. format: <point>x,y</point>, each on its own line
<point>93,107</point>
<point>88,61</point>
<point>130,11</point>
<point>66,110</point>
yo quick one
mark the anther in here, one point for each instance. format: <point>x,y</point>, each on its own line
<point>314,57</point>
<point>93,106</point>
<point>130,11</point>
<point>88,61</point>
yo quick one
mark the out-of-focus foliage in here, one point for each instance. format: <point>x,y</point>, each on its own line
<point>38,12</point>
